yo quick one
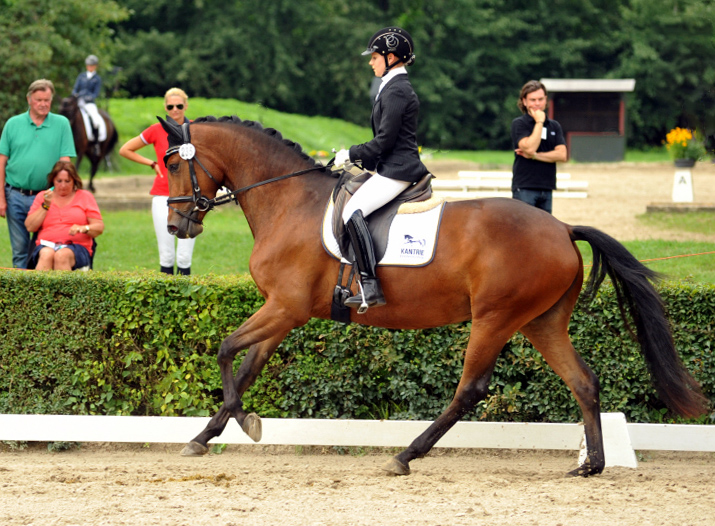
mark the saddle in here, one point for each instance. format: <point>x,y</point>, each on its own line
<point>378,224</point>
<point>379,221</point>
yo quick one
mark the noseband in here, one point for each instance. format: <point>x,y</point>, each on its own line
<point>187,152</point>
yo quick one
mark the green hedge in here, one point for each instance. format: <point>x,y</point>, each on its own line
<point>145,344</point>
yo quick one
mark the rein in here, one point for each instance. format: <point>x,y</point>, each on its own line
<point>187,151</point>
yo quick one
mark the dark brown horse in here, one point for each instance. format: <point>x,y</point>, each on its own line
<point>70,109</point>
<point>500,263</point>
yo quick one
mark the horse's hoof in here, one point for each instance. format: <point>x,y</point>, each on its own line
<point>194,449</point>
<point>252,427</point>
<point>395,467</point>
<point>584,470</point>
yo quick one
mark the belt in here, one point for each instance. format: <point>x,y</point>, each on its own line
<point>23,191</point>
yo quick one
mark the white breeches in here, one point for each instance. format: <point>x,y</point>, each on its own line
<point>168,254</point>
<point>374,193</point>
<point>90,111</point>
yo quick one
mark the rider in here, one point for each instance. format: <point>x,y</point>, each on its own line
<point>392,154</point>
<point>86,89</point>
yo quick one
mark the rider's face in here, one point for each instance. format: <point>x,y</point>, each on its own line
<point>377,63</point>
<point>40,102</point>
<point>171,105</point>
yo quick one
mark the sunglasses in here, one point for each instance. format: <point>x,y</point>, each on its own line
<point>171,107</point>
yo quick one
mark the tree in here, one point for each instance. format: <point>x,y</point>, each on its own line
<point>50,39</point>
<point>670,51</point>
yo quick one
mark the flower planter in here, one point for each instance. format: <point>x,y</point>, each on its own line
<point>684,163</point>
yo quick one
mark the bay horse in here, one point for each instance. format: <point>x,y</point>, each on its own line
<point>500,263</point>
<point>70,109</point>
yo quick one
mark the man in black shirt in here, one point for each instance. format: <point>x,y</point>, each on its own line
<point>538,144</point>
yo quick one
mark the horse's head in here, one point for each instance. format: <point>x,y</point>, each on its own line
<point>191,187</point>
<point>69,107</point>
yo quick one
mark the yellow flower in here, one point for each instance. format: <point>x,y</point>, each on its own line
<point>684,144</point>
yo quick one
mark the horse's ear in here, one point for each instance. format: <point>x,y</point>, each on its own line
<point>172,128</point>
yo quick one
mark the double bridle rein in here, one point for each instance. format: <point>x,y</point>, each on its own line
<point>187,152</point>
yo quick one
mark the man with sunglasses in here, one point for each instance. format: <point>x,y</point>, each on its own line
<point>171,249</point>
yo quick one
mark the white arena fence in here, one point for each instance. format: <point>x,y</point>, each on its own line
<point>621,439</point>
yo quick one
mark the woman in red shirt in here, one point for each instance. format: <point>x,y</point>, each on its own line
<point>171,249</point>
<point>66,219</point>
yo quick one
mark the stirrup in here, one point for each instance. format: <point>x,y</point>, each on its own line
<point>362,309</point>
<point>359,300</point>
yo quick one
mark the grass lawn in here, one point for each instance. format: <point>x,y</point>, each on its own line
<point>223,248</point>
<point>225,245</point>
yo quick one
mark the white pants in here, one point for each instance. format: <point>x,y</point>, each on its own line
<point>167,253</point>
<point>374,193</point>
<point>89,110</point>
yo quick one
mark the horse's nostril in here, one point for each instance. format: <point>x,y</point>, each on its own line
<point>172,229</point>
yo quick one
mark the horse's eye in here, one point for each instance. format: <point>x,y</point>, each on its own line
<point>174,167</point>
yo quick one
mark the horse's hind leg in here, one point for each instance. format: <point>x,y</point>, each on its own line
<point>92,172</point>
<point>548,333</point>
<point>251,366</point>
<point>479,362</point>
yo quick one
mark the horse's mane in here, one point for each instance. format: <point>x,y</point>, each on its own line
<point>271,132</point>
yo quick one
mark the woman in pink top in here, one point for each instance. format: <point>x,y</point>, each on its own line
<point>66,219</point>
<point>175,103</point>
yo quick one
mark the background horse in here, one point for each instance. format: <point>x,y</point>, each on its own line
<point>70,109</point>
<point>500,263</point>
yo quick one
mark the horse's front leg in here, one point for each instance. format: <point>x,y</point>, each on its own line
<point>262,332</point>
<point>254,361</point>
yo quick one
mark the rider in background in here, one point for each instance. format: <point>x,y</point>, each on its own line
<point>176,102</point>
<point>87,88</point>
<point>392,154</point>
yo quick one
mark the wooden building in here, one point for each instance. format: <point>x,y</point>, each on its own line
<point>592,113</point>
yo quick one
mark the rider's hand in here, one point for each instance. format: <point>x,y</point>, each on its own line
<point>342,158</point>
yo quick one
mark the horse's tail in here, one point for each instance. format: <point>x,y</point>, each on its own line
<point>635,292</point>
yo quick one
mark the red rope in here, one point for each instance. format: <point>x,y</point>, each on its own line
<point>680,256</point>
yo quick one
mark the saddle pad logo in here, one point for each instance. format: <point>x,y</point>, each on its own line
<point>413,247</point>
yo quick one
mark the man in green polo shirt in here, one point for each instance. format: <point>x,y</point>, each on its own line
<point>30,145</point>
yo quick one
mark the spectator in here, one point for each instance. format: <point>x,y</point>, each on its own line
<point>87,88</point>
<point>176,103</point>
<point>538,145</point>
<point>30,145</point>
<point>66,219</point>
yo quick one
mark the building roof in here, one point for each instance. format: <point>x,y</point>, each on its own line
<point>590,85</point>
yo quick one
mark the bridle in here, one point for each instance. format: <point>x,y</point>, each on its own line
<point>187,151</point>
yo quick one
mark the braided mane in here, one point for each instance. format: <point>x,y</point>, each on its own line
<point>271,132</point>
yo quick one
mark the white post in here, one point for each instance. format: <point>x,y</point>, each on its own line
<point>683,186</point>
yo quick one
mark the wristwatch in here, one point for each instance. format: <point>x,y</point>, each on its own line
<point>87,227</point>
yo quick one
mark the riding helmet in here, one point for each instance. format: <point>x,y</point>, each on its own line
<point>91,60</point>
<point>392,40</point>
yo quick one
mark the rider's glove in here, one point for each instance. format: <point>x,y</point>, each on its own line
<point>342,158</point>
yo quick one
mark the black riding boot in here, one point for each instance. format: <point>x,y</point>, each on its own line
<point>167,270</point>
<point>184,271</point>
<point>361,241</point>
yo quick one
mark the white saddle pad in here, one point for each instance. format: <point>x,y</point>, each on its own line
<point>412,239</point>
